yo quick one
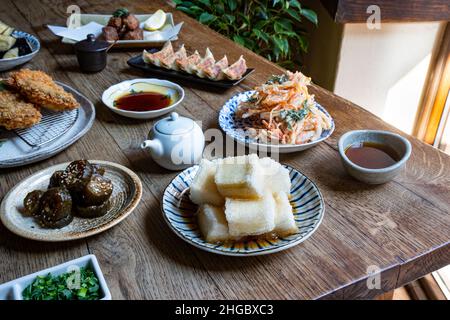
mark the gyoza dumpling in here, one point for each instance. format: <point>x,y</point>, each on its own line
<point>215,73</point>
<point>150,58</point>
<point>207,62</point>
<point>236,70</point>
<point>160,57</point>
<point>170,62</point>
<point>188,64</point>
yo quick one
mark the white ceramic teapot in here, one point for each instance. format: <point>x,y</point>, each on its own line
<point>175,142</point>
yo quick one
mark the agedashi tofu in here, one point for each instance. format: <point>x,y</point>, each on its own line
<point>212,223</point>
<point>276,175</point>
<point>250,217</point>
<point>284,217</point>
<point>203,188</point>
<point>240,177</point>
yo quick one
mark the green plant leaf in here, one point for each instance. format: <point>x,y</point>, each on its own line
<point>186,10</point>
<point>261,35</point>
<point>294,14</point>
<point>232,4</point>
<point>295,3</point>
<point>206,18</point>
<point>260,24</point>
<point>230,18</point>
<point>303,42</point>
<point>286,23</point>
<point>310,15</point>
<point>178,2</point>
<point>239,40</point>
<point>262,13</point>
<point>205,2</point>
<point>278,42</point>
<point>196,9</point>
<point>219,7</point>
<point>275,2</point>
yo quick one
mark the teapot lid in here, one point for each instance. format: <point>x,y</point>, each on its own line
<point>90,44</point>
<point>174,124</point>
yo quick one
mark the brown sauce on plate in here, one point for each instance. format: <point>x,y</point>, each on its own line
<point>143,101</point>
<point>371,155</point>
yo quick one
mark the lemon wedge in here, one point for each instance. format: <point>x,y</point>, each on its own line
<point>156,21</point>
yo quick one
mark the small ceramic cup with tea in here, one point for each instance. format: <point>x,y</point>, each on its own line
<point>373,156</point>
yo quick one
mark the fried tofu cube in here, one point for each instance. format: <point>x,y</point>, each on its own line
<point>276,176</point>
<point>212,223</point>
<point>284,217</point>
<point>203,188</point>
<point>250,217</point>
<point>240,177</point>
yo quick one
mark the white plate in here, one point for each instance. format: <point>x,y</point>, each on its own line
<point>180,214</point>
<point>235,128</point>
<point>12,290</point>
<point>103,20</point>
<point>110,94</point>
<point>126,195</point>
<point>15,152</point>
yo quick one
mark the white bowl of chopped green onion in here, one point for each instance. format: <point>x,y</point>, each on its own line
<point>79,279</point>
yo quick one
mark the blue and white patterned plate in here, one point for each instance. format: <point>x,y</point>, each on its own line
<point>6,64</point>
<point>235,127</point>
<point>180,214</point>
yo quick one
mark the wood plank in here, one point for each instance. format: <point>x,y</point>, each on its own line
<point>354,11</point>
<point>431,288</point>
<point>401,294</point>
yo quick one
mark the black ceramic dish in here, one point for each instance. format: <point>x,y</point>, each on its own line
<point>138,62</point>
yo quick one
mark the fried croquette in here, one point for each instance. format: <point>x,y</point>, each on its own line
<point>16,113</point>
<point>39,88</point>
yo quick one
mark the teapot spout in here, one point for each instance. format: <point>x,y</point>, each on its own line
<point>155,147</point>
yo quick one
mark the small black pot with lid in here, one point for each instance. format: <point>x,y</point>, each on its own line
<point>92,53</point>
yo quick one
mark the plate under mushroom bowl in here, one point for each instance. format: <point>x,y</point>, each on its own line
<point>180,214</point>
<point>127,192</point>
<point>164,87</point>
<point>237,128</point>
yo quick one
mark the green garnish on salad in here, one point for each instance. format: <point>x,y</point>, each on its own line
<point>293,116</point>
<point>277,79</point>
<point>64,287</point>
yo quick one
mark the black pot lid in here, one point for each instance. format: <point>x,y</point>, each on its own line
<point>90,44</point>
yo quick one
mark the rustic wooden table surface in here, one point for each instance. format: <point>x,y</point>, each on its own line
<point>401,229</point>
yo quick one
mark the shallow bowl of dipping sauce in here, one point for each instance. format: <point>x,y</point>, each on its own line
<point>143,98</point>
<point>373,156</point>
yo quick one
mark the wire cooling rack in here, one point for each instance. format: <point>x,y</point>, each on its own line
<point>52,126</point>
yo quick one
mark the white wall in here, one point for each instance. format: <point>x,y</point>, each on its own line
<point>384,70</point>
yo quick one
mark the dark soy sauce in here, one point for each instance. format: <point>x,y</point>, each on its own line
<point>371,155</point>
<point>143,101</point>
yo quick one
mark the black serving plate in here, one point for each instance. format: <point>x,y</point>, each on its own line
<point>138,62</point>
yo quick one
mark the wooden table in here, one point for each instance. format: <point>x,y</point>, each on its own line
<point>401,228</point>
